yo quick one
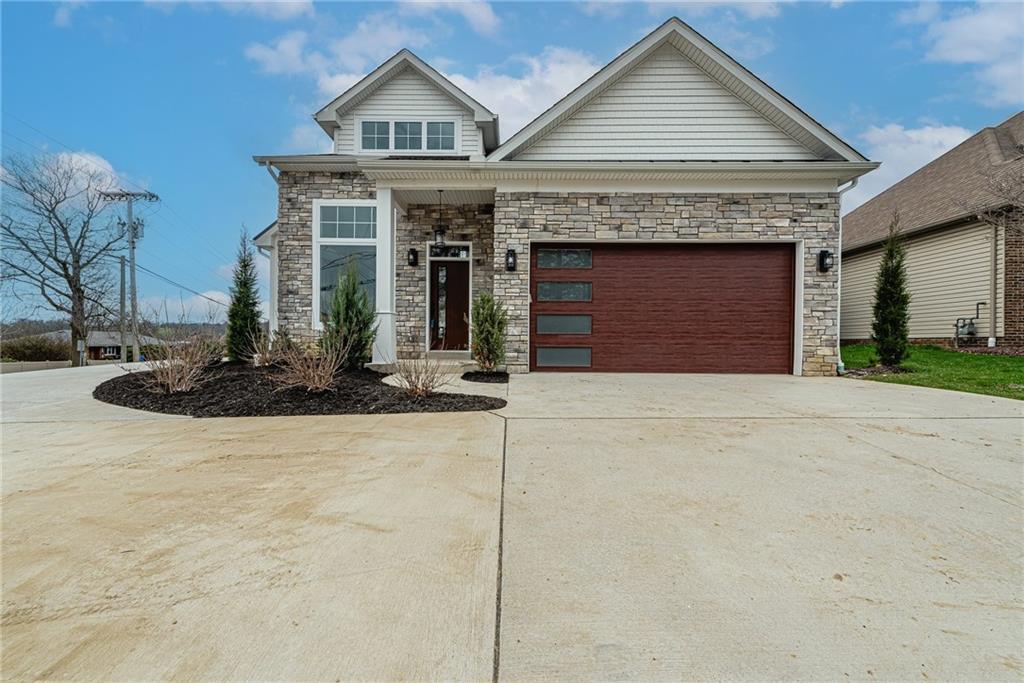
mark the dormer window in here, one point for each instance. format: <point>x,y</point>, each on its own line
<point>404,136</point>
<point>376,135</point>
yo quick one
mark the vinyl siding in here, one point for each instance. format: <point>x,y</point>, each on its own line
<point>666,108</point>
<point>408,95</point>
<point>948,272</point>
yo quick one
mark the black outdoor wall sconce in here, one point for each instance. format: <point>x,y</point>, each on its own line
<point>510,260</point>
<point>826,261</point>
<point>413,257</point>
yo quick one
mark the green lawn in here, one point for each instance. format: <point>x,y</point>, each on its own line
<point>941,368</point>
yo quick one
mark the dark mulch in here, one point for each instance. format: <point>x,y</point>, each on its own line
<point>878,370</point>
<point>486,377</point>
<point>245,391</point>
<point>995,350</point>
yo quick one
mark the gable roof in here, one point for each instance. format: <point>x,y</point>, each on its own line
<point>944,191</point>
<point>404,59</point>
<point>713,61</point>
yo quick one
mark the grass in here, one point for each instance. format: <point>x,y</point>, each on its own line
<point>940,368</point>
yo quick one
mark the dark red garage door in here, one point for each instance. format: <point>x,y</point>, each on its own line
<point>662,307</point>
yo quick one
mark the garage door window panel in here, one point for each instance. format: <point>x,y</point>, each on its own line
<point>563,324</point>
<point>563,356</point>
<point>564,258</point>
<point>564,291</point>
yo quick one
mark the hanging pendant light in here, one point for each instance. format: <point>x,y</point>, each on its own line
<point>441,228</point>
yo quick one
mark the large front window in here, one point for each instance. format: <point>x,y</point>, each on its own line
<point>345,238</point>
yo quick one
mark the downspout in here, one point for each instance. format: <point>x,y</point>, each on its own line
<point>993,309</point>
<point>841,367</point>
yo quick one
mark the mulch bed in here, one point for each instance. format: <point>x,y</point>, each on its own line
<point>486,377</point>
<point>995,350</point>
<point>240,390</point>
<point>878,370</point>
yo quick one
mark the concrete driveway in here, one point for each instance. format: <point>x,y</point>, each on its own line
<point>651,527</point>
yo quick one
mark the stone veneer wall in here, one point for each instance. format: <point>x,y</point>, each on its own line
<point>296,192</point>
<point>472,223</point>
<point>1013,288</point>
<point>520,217</point>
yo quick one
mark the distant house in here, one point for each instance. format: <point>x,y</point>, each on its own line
<point>100,345</point>
<point>954,261</point>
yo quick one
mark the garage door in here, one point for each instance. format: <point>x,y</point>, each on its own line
<point>662,307</point>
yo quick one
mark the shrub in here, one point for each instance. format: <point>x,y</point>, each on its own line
<point>181,366</point>
<point>311,367</point>
<point>35,349</point>
<point>890,326</point>
<point>422,376</point>
<point>351,322</point>
<point>244,311</point>
<point>489,323</point>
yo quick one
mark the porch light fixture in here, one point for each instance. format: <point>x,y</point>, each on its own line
<point>413,257</point>
<point>441,228</point>
<point>826,261</point>
<point>510,260</point>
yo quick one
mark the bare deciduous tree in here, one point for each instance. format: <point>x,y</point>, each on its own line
<point>1006,208</point>
<point>57,236</point>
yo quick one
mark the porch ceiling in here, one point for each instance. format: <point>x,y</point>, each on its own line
<point>450,196</point>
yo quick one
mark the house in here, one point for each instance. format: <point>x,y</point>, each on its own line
<point>957,265</point>
<point>100,344</point>
<point>672,213</point>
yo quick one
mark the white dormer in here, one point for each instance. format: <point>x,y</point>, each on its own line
<point>404,107</point>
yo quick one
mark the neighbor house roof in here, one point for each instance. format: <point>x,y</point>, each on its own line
<point>719,66</point>
<point>947,191</point>
<point>404,59</point>
<point>98,337</point>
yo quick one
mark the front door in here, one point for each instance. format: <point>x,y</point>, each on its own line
<point>449,305</point>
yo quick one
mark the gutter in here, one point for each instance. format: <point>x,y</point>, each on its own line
<point>840,366</point>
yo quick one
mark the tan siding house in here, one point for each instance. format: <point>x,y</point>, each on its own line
<point>954,261</point>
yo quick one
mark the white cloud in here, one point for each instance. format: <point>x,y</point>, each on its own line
<point>62,16</point>
<point>755,9</point>
<point>374,39</point>
<point>901,151</point>
<point>278,10</point>
<point>547,78</point>
<point>477,13</point>
<point>309,138</point>
<point>987,35</point>
<point>287,55</point>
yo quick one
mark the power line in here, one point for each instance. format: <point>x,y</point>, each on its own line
<point>181,286</point>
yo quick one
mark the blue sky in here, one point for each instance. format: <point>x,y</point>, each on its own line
<point>177,96</point>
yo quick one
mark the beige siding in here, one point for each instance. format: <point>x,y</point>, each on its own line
<point>666,108</point>
<point>408,95</point>
<point>948,272</point>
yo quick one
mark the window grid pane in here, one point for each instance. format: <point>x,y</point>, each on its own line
<point>376,135</point>
<point>348,222</point>
<point>563,291</point>
<point>440,135</point>
<point>408,135</point>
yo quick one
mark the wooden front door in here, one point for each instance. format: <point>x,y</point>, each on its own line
<point>449,305</point>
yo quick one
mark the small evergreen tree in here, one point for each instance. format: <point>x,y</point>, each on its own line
<point>489,322</point>
<point>244,311</point>
<point>351,321</point>
<point>889,328</point>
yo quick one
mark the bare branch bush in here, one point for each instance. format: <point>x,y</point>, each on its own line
<point>57,237</point>
<point>260,348</point>
<point>180,360</point>
<point>422,376</point>
<point>311,367</point>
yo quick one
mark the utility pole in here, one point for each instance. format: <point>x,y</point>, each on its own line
<point>124,347</point>
<point>134,233</point>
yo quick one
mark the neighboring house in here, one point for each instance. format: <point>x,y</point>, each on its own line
<point>100,345</point>
<point>669,214</point>
<point>954,261</point>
